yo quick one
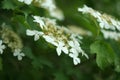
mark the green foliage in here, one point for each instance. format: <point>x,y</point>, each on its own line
<point>117,64</point>
<point>60,76</point>
<point>104,53</point>
<point>8,4</point>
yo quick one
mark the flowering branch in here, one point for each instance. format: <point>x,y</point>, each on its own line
<point>64,40</point>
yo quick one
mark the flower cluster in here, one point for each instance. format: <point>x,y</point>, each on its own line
<point>49,5</point>
<point>110,27</point>
<point>18,53</point>
<point>12,40</point>
<point>63,39</point>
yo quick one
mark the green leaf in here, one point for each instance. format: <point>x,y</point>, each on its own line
<point>104,53</point>
<point>116,47</point>
<point>40,62</point>
<point>28,52</point>
<point>117,64</point>
<point>60,76</point>
<point>21,19</point>
<point>8,4</point>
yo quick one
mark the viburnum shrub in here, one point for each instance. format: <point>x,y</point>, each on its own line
<point>45,37</point>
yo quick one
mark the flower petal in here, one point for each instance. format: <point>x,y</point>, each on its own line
<point>15,54</point>
<point>58,51</point>
<point>22,54</point>
<point>71,43</point>
<point>39,21</point>
<point>65,50</point>
<point>19,57</point>
<point>30,32</point>
<point>0,42</point>
<point>76,61</point>
<point>1,51</point>
<point>36,37</point>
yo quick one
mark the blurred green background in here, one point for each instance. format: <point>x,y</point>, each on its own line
<point>41,61</point>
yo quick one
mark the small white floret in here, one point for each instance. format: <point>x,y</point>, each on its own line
<point>39,20</point>
<point>19,54</point>
<point>34,33</point>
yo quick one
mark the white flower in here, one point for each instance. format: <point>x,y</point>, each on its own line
<point>50,21</point>
<point>39,20</point>
<point>96,14</point>
<point>48,4</point>
<point>61,47</point>
<point>76,60</point>
<point>105,21</point>
<point>111,35</point>
<point>116,24</point>
<point>108,24</point>
<point>34,33</point>
<point>85,9</point>
<point>62,38</point>
<point>50,39</point>
<point>89,10</point>
<point>2,47</point>
<point>75,48</point>
<point>28,2</point>
<point>57,13</point>
<point>18,53</point>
